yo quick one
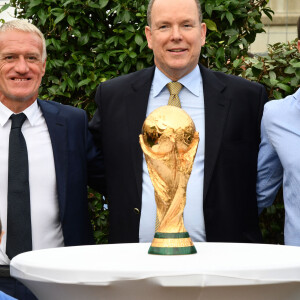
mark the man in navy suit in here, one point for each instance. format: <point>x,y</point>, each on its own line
<point>221,198</point>
<point>62,158</point>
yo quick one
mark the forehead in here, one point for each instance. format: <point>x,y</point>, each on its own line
<point>18,42</point>
<point>174,9</point>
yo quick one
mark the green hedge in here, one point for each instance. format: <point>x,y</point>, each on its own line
<point>89,42</point>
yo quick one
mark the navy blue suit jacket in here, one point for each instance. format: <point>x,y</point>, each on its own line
<point>233,111</point>
<point>77,164</point>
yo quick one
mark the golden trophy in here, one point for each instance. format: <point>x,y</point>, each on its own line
<point>169,141</point>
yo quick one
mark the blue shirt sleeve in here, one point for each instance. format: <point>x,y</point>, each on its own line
<point>269,171</point>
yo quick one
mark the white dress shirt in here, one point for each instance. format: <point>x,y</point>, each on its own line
<point>45,223</point>
<point>192,101</point>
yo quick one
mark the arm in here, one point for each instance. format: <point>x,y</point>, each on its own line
<point>95,165</point>
<point>269,172</point>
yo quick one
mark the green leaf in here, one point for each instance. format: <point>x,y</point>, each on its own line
<point>272,75</point>
<point>103,3</point>
<point>106,59</point>
<point>56,44</point>
<point>296,64</point>
<point>294,82</point>
<point>63,86</point>
<point>79,70</point>
<point>111,39</point>
<point>231,32</point>
<point>126,16</point>
<point>59,18</point>
<point>132,54</point>
<point>229,17</point>
<point>273,81</point>
<point>237,62</point>
<point>138,39</point>
<point>232,39</point>
<point>208,8</point>
<point>277,95</point>
<point>71,20</point>
<point>297,72</point>
<point>4,7</point>
<point>64,36</point>
<point>70,83</point>
<point>83,40</point>
<point>34,3</point>
<point>84,82</point>
<point>43,16</point>
<point>284,87</point>
<point>127,68</point>
<point>259,66</point>
<point>211,25</point>
<point>289,70</point>
<point>220,54</point>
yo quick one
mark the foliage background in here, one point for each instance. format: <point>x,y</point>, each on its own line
<point>94,40</point>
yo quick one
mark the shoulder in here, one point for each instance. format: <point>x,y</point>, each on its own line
<point>281,112</point>
<point>280,107</point>
<point>123,80</point>
<point>49,105</point>
<point>237,81</point>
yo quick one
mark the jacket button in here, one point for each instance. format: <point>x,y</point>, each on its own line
<point>136,210</point>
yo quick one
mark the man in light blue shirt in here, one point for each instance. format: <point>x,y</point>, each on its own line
<point>279,160</point>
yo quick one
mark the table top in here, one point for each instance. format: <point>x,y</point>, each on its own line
<point>214,264</point>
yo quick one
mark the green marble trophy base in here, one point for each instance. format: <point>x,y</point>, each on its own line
<point>172,244</point>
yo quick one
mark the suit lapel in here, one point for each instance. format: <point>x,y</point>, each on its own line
<point>216,110</point>
<point>58,135</point>
<point>136,106</point>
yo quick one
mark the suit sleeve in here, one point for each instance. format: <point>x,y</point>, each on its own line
<point>269,171</point>
<point>95,123</point>
<point>95,165</point>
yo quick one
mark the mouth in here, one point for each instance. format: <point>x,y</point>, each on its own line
<point>20,79</point>
<point>177,50</point>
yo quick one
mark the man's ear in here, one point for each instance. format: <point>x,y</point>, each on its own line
<point>148,36</point>
<point>299,45</point>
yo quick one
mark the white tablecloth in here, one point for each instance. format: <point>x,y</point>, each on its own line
<point>127,271</point>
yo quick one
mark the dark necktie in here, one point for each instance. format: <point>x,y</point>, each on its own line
<point>19,238</point>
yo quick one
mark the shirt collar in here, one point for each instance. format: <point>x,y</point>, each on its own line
<point>190,81</point>
<point>30,112</point>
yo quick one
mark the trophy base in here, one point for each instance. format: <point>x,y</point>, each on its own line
<point>172,244</point>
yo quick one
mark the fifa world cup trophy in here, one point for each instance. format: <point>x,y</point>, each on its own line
<point>169,141</point>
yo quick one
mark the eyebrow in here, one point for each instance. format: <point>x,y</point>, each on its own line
<point>26,54</point>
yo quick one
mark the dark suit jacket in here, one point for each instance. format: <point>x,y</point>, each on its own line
<point>77,162</point>
<point>233,111</point>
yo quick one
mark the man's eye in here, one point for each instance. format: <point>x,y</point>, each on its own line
<point>163,27</point>
<point>32,58</point>
<point>9,57</point>
<point>187,25</point>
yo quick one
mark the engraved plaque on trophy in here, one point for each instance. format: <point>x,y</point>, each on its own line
<point>169,141</point>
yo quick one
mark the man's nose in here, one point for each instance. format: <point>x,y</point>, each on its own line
<point>21,65</point>
<point>176,33</point>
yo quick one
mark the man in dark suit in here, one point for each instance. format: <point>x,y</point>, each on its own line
<point>221,199</point>
<point>47,158</point>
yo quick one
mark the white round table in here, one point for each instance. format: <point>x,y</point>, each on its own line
<point>126,271</point>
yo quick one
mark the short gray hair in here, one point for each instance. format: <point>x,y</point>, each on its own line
<point>151,2</point>
<point>25,26</point>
